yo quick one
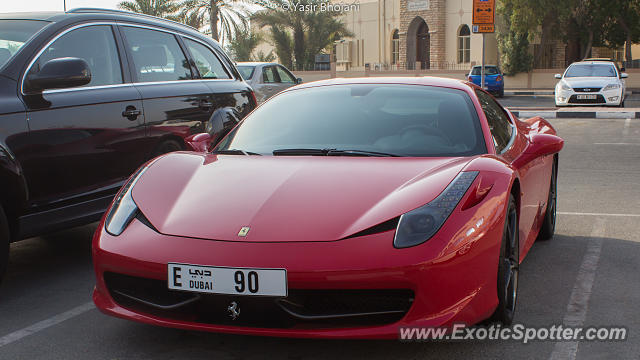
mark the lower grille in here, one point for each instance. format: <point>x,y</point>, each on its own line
<point>598,100</point>
<point>302,308</point>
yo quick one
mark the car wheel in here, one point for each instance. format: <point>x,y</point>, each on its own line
<point>622,104</point>
<point>167,146</point>
<point>501,93</point>
<point>549,223</point>
<point>4,243</point>
<point>508,267</point>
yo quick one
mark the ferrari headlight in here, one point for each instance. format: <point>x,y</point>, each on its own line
<point>419,225</point>
<point>611,87</point>
<point>565,86</point>
<point>124,209</point>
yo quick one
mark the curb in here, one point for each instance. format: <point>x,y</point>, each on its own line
<point>530,93</point>
<point>578,114</point>
<point>548,92</point>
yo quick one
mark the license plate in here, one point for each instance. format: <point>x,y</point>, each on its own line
<point>225,280</point>
<point>587,97</point>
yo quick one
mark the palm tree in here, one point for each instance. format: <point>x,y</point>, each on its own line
<point>231,15</point>
<point>306,33</point>
<point>243,44</point>
<point>159,8</point>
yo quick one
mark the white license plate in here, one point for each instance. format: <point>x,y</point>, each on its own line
<point>225,280</point>
<point>587,97</point>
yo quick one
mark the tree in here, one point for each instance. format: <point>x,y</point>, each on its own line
<point>624,25</point>
<point>159,8</point>
<point>513,42</point>
<point>302,34</point>
<point>243,44</point>
<point>230,14</point>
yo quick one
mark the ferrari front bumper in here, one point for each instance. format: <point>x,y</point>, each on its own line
<point>449,279</point>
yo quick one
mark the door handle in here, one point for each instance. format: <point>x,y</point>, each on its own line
<point>131,113</point>
<point>206,105</point>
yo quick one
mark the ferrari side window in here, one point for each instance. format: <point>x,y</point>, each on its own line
<point>499,123</point>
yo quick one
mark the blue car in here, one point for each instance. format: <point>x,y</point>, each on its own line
<point>493,79</point>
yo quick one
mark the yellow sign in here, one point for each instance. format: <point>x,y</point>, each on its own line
<point>483,12</point>
<point>483,28</point>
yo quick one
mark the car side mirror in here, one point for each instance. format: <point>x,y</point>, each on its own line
<point>540,145</point>
<point>299,81</point>
<point>199,142</point>
<point>545,144</point>
<point>558,76</point>
<point>624,76</point>
<point>60,73</point>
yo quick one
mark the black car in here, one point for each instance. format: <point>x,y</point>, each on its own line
<point>88,96</point>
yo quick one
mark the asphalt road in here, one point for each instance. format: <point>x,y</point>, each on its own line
<point>587,274</point>
<point>547,101</point>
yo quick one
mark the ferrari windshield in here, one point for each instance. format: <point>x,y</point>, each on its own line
<point>591,70</point>
<point>353,119</point>
<point>14,34</point>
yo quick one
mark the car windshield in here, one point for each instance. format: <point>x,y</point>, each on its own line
<point>246,71</point>
<point>488,70</point>
<point>591,70</point>
<point>400,120</point>
<point>14,34</point>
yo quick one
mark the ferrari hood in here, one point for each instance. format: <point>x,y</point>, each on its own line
<point>285,198</point>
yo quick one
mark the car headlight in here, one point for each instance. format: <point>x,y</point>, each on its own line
<point>565,86</point>
<point>419,225</point>
<point>611,87</point>
<point>124,209</point>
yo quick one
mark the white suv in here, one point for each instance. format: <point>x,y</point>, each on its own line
<point>591,83</point>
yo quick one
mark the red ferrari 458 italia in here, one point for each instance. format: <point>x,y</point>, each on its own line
<point>346,208</point>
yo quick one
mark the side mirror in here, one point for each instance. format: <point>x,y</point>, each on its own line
<point>299,81</point>
<point>199,142</point>
<point>558,76</point>
<point>60,73</point>
<point>540,145</point>
<point>624,76</point>
<point>545,144</point>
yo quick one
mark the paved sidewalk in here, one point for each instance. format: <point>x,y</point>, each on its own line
<point>512,92</point>
<point>582,113</point>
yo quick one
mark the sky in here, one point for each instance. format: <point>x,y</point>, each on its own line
<point>54,5</point>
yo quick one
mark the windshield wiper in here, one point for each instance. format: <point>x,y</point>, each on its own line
<point>234,152</point>
<point>329,152</point>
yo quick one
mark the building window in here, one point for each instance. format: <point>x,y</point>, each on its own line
<point>395,47</point>
<point>464,44</point>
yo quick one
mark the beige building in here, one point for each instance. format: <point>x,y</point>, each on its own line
<point>413,34</point>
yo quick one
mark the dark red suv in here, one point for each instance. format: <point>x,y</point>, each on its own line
<point>89,95</point>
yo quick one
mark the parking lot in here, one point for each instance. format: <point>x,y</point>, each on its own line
<point>586,275</point>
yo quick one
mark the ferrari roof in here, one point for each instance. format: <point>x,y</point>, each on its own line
<point>426,80</point>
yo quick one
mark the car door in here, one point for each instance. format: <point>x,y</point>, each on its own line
<point>268,83</point>
<point>176,104</point>
<point>287,79</point>
<point>532,174</point>
<point>229,96</point>
<point>83,141</point>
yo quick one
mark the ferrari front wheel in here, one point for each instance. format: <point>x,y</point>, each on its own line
<point>508,267</point>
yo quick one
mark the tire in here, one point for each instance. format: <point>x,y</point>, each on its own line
<point>4,243</point>
<point>622,104</point>
<point>549,223</point>
<point>501,93</point>
<point>508,267</point>
<point>167,146</point>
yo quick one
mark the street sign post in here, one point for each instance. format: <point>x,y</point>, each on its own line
<point>483,22</point>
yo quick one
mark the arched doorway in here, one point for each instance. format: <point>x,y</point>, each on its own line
<point>418,45</point>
